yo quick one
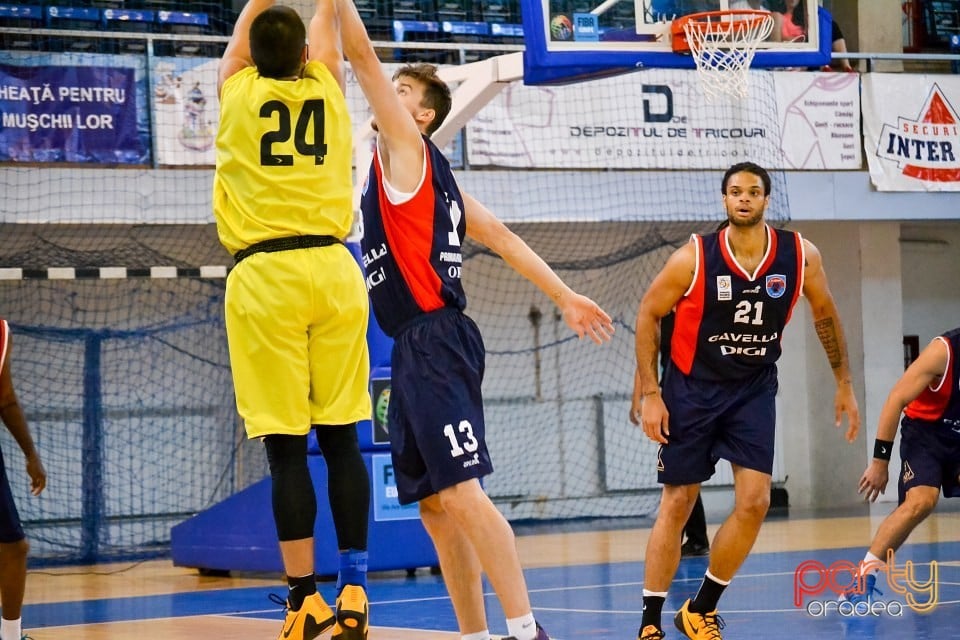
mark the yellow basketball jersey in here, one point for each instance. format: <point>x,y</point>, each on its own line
<point>284,151</point>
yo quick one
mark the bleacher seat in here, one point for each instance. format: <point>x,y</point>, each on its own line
<point>70,17</point>
<point>421,10</point>
<point>500,11</point>
<point>129,21</point>
<point>504,19</point>
<point>377,16</point>
<point>186,23</point>
<point>20,16</point>
<point>455,10</point>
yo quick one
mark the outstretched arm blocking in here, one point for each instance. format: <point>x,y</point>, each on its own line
<point>401,146</point>
<point>582,315</point>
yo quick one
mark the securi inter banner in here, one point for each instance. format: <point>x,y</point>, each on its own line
<point>660,119</point>
<point>912,131</point>
<point>69,113</point>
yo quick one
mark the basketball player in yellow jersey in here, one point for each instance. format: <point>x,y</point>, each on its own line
<point>296,303</point>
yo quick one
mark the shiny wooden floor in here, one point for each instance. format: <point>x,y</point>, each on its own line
<point>583,583</point>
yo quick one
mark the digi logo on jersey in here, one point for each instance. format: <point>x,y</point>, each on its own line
<point>744,344</point>
<point>374,277</point>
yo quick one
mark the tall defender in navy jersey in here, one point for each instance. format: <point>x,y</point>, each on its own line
<point>928,396</point>
<point>733,291</point>
<point>415,220</point>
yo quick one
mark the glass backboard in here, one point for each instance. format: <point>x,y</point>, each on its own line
<point>568,39</point>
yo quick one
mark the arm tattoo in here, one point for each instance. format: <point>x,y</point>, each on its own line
<point>830,339</point>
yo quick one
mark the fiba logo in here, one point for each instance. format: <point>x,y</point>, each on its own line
<point>561,28</point>
<point>380,409</point>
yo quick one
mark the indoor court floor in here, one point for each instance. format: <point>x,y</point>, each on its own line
<point>585,581</point>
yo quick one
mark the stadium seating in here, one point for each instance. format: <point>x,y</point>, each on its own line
<point>20,16</point>
<point>467,21</point>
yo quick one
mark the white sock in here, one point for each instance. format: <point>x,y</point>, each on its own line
<point>522,628</point>
<point>725,583</point>
<point>479,635</point>
<point>872,563</point>
<point>10,629</point>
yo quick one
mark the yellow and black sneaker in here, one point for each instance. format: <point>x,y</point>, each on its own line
<point>698,626</point>
<point>650,632</point>
<point>353,615</point>
<point>309,621</point>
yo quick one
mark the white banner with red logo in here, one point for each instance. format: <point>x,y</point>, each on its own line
<point>659,119</point>
<point>912,131</point>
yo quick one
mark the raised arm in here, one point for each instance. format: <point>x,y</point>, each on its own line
<point>401,147</point>
<point>647,409</point>
<point>324,38</point>
<point>12,417</point>
<point>926,370</point>
<point>826,321</point>
<point>582,315</point>
<point>236,56</point>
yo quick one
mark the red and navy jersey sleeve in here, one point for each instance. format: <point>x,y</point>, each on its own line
<point>411,248</point>
<point>940,403</point>
<point>730,323</point>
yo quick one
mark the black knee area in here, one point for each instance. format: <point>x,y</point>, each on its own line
<point>294,501</point>
<point>348,484</point>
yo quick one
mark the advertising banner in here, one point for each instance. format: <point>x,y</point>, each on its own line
<point>185,110</point>
<point>658,119</point>
<point>912,131</point>
<point>386,505</point>
<point>60,112</point>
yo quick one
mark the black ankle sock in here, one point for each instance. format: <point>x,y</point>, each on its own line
<point>707,597</point>
<point>652,611</point>
<point>300,590</point>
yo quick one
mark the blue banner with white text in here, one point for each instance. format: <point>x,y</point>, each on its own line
<point>70,114</point>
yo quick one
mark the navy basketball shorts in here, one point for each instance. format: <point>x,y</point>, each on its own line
<point>11,530</point>
<point>437,434</point>
<point>929,457</point>
<point>730,419</point>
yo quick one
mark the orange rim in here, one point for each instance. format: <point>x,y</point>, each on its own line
<point>714,22</point>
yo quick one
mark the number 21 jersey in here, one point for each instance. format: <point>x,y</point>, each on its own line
<point>730,322</point>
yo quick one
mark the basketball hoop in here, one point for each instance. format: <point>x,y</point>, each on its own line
<point>722,44</point>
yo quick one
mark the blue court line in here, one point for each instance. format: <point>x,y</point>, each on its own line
<point>582,601</point>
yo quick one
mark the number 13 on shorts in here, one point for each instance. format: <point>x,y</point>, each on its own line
<point>462,440</point>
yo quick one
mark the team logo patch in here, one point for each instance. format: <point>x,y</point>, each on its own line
<point>660,458</point>
<point>776,285</point>
<point>724,288</point>
<point>908,474</point>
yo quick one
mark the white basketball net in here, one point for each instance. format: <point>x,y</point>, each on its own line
<point>723,47</point>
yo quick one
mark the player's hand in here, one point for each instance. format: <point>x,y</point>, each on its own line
<point>845,402</point>
<point>585,317</point>
<point>873,482</point>
<point>650,413</point>
<point>38,476</point>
